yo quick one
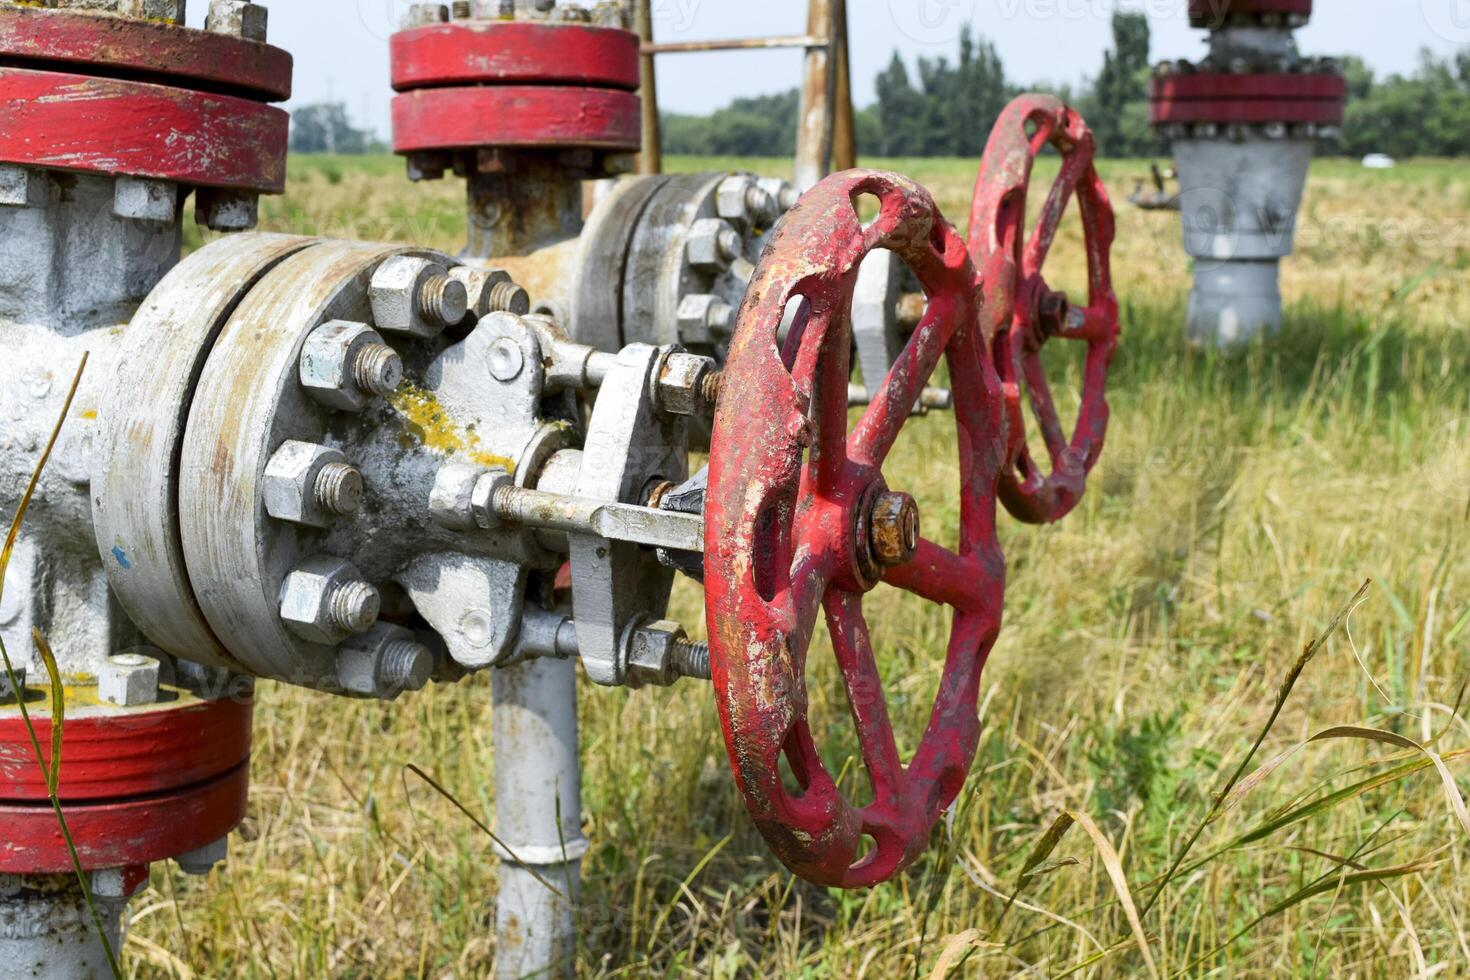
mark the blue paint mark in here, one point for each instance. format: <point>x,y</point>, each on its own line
<point>122,557</point>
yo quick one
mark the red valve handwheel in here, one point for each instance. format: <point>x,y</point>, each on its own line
<point>789,519</point>
<point>1025,312</point>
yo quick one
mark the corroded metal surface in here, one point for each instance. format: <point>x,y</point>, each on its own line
<point>1025,312</point>
<point>141,432</point>
<point>188,58</point>
<point>531,116</point>
<point>486,52</point>
<point>63,121</point>
<point>788,489</point>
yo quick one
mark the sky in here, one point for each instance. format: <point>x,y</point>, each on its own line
<point>342,54</point>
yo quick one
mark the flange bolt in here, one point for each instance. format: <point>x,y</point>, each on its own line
<point>442,300</point>
<point>692,659</point>
<point>378,369</point>
<point>405,666</point>
<point>353,606</point>
<point>339,488</point>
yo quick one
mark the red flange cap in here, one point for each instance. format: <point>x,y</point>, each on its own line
<point>1263,98</point>
<point>514,53</point>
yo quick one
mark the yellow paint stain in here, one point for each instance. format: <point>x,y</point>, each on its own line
<point>90,413</point>
<point>432,427</point>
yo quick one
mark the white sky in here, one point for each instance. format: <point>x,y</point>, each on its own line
<point>341,48</point>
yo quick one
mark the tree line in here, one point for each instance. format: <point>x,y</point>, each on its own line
<point>947,106</point>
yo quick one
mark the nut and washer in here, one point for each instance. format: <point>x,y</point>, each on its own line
<point>326,600</point>
<point>704,319</point>
<point>345,365</point>
<point>740,199</point>
<point>137,199</point>
<point>463,496</point>
<point>310,485</point>
<point>383,663</point>
<point>201,861</point>
<point>783,192</point>
<point>237,18</point>
<point>680,388</point>
<point>128,680</point>
<point>893,529</point>
<point>660,653</point>
<point>713,244</point>
<point>18,187</point>
<point>416,296</point>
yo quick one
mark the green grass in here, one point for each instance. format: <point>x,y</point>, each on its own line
<point>1241,502</point>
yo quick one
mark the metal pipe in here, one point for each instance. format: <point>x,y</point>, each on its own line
<point>46,929</point>
<point>605,519</point>
<point>526,205</point>
<point>844,126</point>
<point>818,92</point>
<point>538,806</point>
<point>736,44</point>
<point>651,160</point>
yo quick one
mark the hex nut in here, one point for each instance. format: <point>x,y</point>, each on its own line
<point>293,486</point>
<point>650,654</point>
<point>415,296</point>
<point>424,14</point>
<point>783,192</point>
<point>345,365</point>
<point>219,209</point>
<point>118,882</point>
<point>18,188</point>
<point>237,18</point>
<point>491,291</point>
<point>202,861</point>
<point>681,383</point>
<point>383,663</point>
<point>326,600</point>
<point>704,319</point>
<point>713,244</point>
<point>482,499</point>
<point>128,680</point>
<point>731,201</point>
<point>136,199</point>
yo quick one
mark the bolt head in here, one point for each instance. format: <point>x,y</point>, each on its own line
<point>119,882</point>
<point>136,199</point>
<point>203,860</point>
<point>19,188</point>
<point>732,198</point>
<point>679,383</point>
<point>306,599</point>
<point>783,192</point>
<point>506,360</point>
<point>462,497</point>
<point>226,210</point>
<point>288,489</point>
<point>893,529</point>
<point>394,291</point>
<point>128,680</point>
<point>713,244</point>
<point>704,319</point>
<point>327,361</point>
<point>237,18</point>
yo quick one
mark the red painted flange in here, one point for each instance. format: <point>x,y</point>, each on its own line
<point>1214,13</point>
<point>514,53</point>
<point>516,116</point>
<point>126,752</point>
<point>788,489</point>
<point>1025,312</point>
<point>122,833</point>
<point>63,121</point>
<point>1249,99</point>
<point>132,48</point>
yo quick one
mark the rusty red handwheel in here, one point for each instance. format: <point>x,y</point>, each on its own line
<point>800,522</point>
<point>1025,312</point>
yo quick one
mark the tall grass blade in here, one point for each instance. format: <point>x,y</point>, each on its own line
<point>1114,868</point>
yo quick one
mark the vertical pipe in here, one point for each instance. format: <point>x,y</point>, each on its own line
<point>532,203</point>
<point>818,90</point>
<point>47,931</point>
<point>651,160</point>
<point>844,126</point>
<point>538,807</point>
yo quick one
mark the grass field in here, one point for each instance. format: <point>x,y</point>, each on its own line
<point>1241,503</point>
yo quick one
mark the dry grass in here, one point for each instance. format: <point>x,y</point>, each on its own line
<point>1241,502</point>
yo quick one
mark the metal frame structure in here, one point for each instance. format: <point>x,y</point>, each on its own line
<point>826,129</point>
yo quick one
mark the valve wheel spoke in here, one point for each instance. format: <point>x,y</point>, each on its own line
<point>800,523</point>
<point>1016,311</point>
